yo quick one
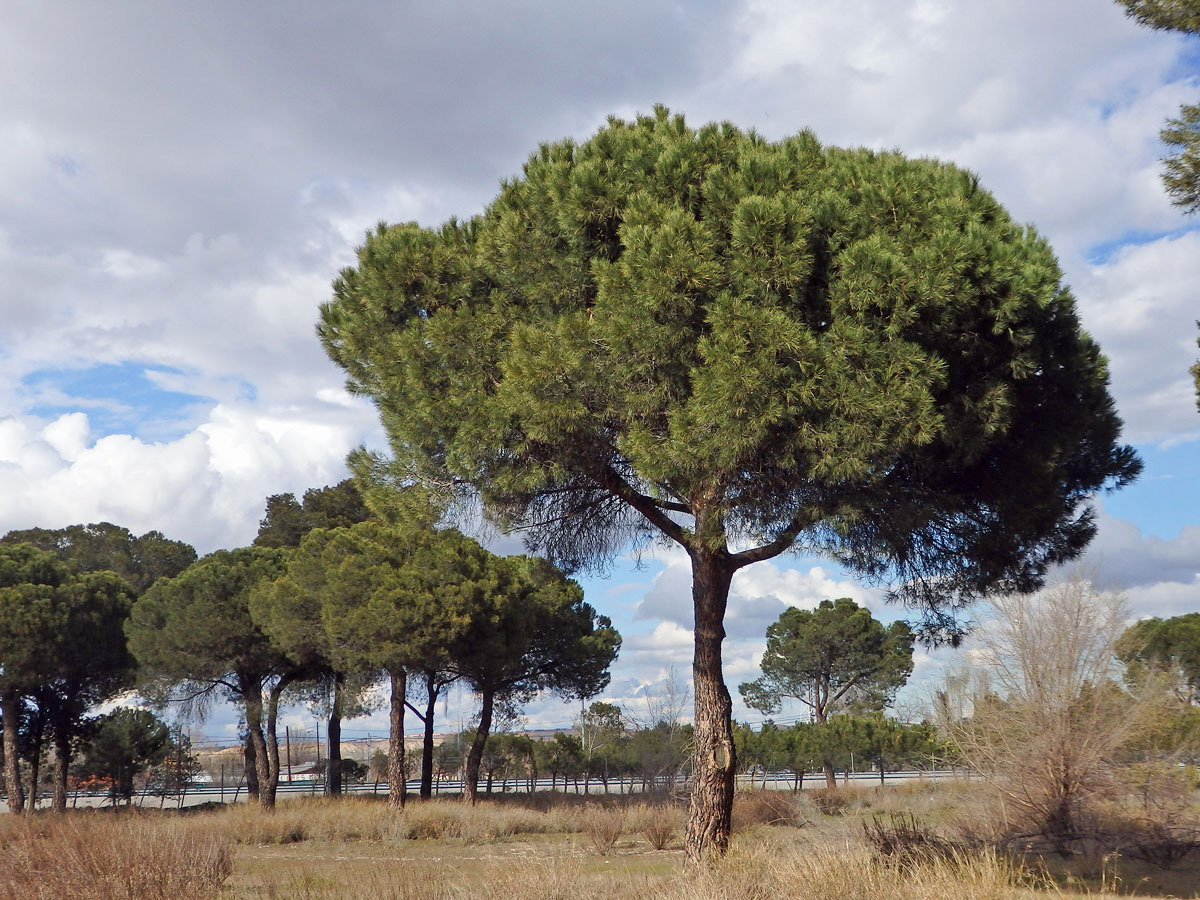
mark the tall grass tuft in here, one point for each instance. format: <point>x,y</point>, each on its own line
<point>605,827</point>
<point>659,824</point>
<point>110,857</point>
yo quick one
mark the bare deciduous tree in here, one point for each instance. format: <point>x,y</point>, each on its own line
<point>1049,728</point>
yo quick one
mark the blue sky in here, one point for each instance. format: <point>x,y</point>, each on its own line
<point>180,184</point>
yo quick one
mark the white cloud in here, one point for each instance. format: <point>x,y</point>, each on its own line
<point>1141,306</point>
<point>207,487</point>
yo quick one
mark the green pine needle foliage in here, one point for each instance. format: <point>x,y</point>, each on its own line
<point>733,342</point>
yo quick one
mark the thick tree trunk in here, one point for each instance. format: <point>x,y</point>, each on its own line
<point>396,779</point>
<point>475,757</point>
<point>262,759</point>
<point>431,696</point>
<point>62,763</point>
<point>250,768</point>
<point>12,757</point>
<point>713,758</point>
<point>333,765</point>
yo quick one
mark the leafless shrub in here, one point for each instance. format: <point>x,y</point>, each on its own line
<point>765,808</point>
<point>902,840</point>
<point>829,802</point>
<point>659,824</point>
<point>1160,845</point>
<point>604,827</point>
<point>1048,721</point>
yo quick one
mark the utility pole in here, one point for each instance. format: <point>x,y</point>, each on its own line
<point>287,738</point>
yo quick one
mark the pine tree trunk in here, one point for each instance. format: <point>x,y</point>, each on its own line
<point>333,765</point>
<point>272,729</point>
<point>62,762</point>
<point>35,770</point>
<point>475,757</point>
<point>396,779</point>
<point>12,758</point>
<point>431,695</point>
<point>250,768</point>
<point>262,760</point>
<point>713,757</point>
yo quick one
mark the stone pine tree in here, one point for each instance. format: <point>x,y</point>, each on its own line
<point>288,520</point>
<point>32,614</point>
<point>742,347</point>
<point>529,630</point>
<point>829,658</point>
<point>62,652</point>
<point>390,599</point>
<point>92,665</point>
<point>194,638</point>
<point>1168,648</point>
<point>285,524</point>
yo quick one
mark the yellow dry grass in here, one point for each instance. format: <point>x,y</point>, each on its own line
<point>784,848</point>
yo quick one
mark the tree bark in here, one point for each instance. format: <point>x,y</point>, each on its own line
<point>62,762</point>
<point>250,768</point>
<point>333,765</point>
<point>9,701</point>
<point>272,729</point>
<point>262,759</point>
<point>35,769</point>
<point>475,757</point>
<point>713,762</point>
<point>396,779</point>
<point>431,696</point>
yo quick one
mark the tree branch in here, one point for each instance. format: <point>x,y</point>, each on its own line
<point>416,712</point>
<point>782,542</point>
<point>651,509</point>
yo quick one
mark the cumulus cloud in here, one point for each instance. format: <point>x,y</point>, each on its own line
<point>207,487</point>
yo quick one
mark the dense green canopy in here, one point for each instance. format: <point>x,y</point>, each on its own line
<point>1167,647</point>
<point>288,520</point>
<point>102,546</point>
<point>849,350</point>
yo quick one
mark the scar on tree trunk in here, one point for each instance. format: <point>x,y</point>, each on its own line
<point>713,755</point>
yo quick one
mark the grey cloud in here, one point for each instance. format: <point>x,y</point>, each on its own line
<point>1125,558</point>
<point>748,617</point>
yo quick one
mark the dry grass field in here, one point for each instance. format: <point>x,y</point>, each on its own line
<point>802,847</point>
